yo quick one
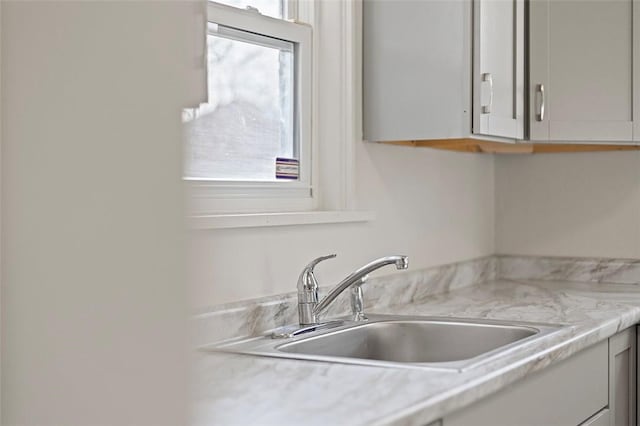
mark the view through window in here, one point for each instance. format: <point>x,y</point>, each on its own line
<point>249,119</point>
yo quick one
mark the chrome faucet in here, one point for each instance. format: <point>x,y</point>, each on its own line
<point>308,306</point>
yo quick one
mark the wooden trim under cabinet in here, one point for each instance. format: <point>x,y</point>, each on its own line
<point>490,147</point>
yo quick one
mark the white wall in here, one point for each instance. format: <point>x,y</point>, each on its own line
<point>435,206</point>
<point>569,204</point>
<point>93,297</point>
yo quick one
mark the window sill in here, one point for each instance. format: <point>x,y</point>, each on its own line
<point>258,220</point>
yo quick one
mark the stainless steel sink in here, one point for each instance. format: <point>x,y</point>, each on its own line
<point>412,341</point>
<point>403,341</point>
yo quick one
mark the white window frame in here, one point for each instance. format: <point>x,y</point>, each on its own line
<point>336,119</point>
<point>219,197</point>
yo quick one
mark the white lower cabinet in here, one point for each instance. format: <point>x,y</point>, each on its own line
<point>596,387</point>
<point>622,378</point>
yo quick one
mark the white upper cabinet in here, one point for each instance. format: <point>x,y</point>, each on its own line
<point>564,71</point>
<point>581,70</point>
<point>498,68</point>
<point>416,69</point>
<point>443,69</point>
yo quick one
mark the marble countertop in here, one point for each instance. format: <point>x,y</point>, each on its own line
<point>234,389</point>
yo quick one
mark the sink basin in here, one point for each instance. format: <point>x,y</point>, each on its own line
<point>412,341</point>
<point>402,341</point>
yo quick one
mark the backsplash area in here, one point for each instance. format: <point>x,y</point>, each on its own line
<point>618,271</point>
<point>257,316</point>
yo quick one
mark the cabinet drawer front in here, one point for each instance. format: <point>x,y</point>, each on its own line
<point>565,394</point>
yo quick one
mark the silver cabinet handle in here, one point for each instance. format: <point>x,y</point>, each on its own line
<point>540,114</point>
<point>486,78</point>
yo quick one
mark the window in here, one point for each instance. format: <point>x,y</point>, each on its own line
<point>249,119</point>
<point>248,148</point>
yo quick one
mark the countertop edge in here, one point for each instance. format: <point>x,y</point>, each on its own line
<point>460,397</point>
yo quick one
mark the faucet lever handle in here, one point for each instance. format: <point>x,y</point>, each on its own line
<point>307,281</point>
<point>314,262</point>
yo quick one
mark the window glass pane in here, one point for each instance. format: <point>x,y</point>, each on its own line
<point>274,8</point>
<point>249,119</point>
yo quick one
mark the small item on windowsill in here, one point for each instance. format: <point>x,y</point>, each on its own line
<point>287,168</point>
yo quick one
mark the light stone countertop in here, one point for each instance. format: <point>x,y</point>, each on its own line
<point>232,389</point>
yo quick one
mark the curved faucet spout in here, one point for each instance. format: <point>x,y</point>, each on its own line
<point>401,262</point>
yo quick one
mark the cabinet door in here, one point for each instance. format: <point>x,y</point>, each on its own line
<point>567,393</point>
<point>581,70</point>
<point>498,68</point>
<point>416,69</point>
<point>622,378</point>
